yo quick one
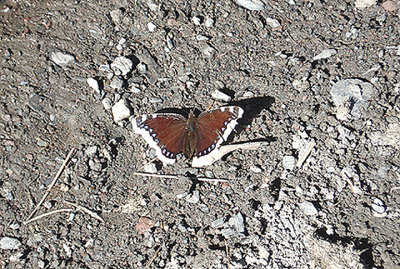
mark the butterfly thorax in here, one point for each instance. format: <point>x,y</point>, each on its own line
<point>190,139</point>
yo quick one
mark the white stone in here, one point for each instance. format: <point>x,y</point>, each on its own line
<point>151,26</point>
<point>251,4</point>
<point>94,84</point>
<point>9,243</point>
<point>123,64</point>
<point>288,162</point>
<point>218,95</point>
<point>121,110</point>
<point>363,4</point>
<point>308,208</point>
<point>273,23</point>
<point>61,58</point>
<point>325,54</point>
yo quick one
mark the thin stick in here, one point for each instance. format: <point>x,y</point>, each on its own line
<point>52,184</point>
<point>48,214</point>
<point>227,254</point>
<point>84,209</point>
<point>153,258</point>
<point>305,153</point>
<point>205,179</point>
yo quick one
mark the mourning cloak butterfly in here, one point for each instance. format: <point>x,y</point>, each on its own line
<point>198,137</point>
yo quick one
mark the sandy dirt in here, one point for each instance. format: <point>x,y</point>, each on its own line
<point>320,87</point>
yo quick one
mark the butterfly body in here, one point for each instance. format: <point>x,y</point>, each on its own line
<point>197,137</point>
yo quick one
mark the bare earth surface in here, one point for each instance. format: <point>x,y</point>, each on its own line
<point>318,81</point>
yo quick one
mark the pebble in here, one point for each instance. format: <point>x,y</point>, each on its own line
<point>251,4</point>
<point>116,83</point>
<point>193,197</point>
<point>208,51</point>
<point>288,162</point>
<point>141,68</point>
<point>151,26</point>
<point>42,143</point>
<point>150,168</point>
<point>121,110</point>
<point>363,4</point>
<point>153,5</point>
<point>94,84</point>
<point>325,54</point>
<point>308,208</point>
<point>389,6</point>
<point>255,169</point>
<point>196,20</point>
<point>237,222</point>
<point>9,243</point>
<point>273,23</point>
<point>116,15</point>
<point>378,207</point>
<point>105,68</point>
<point>218,223</point>
<point>351,98</point>
<point>91,151</point>
<point>219,95</point>
<point>209,22</point>
<point>61,58</point>
<point>123,64</point>
<point>107,103</point>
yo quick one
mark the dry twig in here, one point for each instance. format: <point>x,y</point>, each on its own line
<point>48,214</point>
<point>153,258</point>
<point>85,210</point>
<point>51,184</point>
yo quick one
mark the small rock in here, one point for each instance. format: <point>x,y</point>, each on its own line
<point>141,68</point>
<point>116,83</point>
<point>91,151</point>
<point>273,23</point>
<point>155,100</point>
<point>325,54</point>
<point>351,98</point>
<point>208,51</point>
<point>121,110</point>
<point>219,95</point>
<point>153,5</point>
<point>9,243</point>
<point>228,232</point>
<point>218,223</point>
<point>150,168</point>
<point>193,197</point>
<point>116,15</point>
<point>255,169</point>
<point>62,59</point>
<point>237,222</point>
<point>288,162</point>
<point>105,68</point>
<point>42,143</point>
<point>123,64</point>
<point>379,208</point>
<point>151,26</point>
<point>107,103</point>
<point>389,6</point>
<point>209,22</point>
<point>363,4</point>
<point>94,84</point>
<point>251,4</point>
<point>308,208</point>
<point>196,20</point>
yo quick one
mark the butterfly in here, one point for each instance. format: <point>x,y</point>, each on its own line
<point>196,137</point>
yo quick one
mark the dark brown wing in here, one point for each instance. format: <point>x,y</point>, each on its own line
<point>163,132</point>
<point>214,127</point>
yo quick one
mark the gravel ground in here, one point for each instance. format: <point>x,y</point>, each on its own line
<point>320,88</point>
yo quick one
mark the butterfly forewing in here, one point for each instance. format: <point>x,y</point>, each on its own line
<point>164,132</point>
